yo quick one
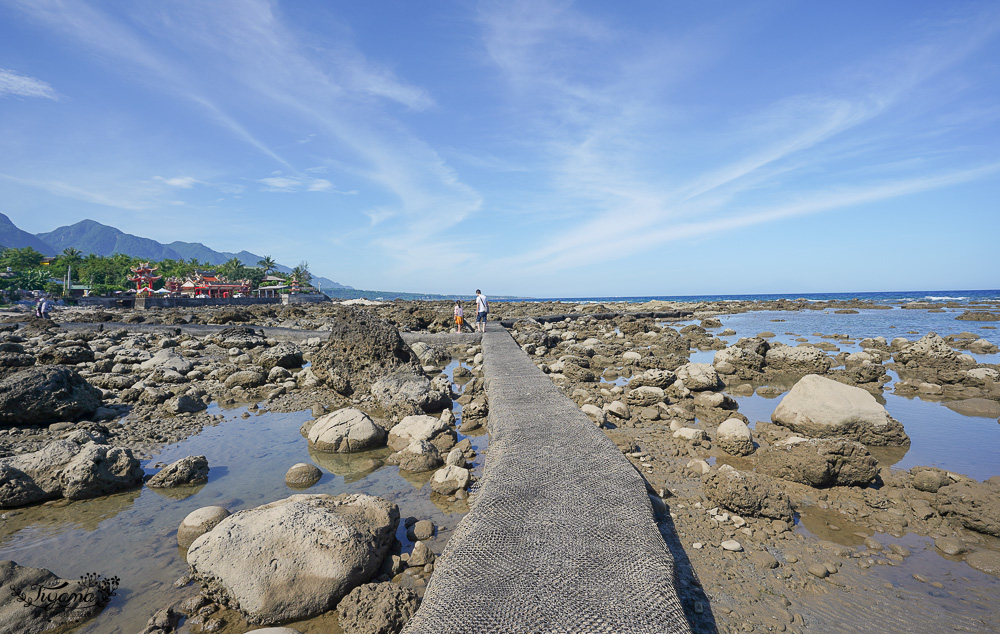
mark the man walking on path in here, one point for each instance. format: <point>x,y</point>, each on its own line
<point>482,308</point>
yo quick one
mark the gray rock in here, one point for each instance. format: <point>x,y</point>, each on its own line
<point>699,376</point>
<point>199,522</point>
<point>797,360</point>
<point>73,601</point>
<point>421,555</point>
<point>376,608</point>
<point>746,493</point>
<point>346,430</point>
<point>734,437</point>
<point>303,475</point>
<point>186,471</point>
<point>41,395</point>
<point>419,455</point>
<point>246,379</point>
<point>167,359</point>
<point>818,407</point>
<point>975,504</point>
<point>449,479</point>
<point>283,355</point>
<point>419,427</point>
<point>819,462</point>
<point>184,404</point>
<point>405,393</point>
<point>949,545</point>
<point>297,557</point>
<point>645,395</point>
<point>66,469</point>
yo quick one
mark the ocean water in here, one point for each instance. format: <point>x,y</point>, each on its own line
<point>966,296</point>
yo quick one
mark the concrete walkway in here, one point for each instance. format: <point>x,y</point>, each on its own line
<point>561,536</point>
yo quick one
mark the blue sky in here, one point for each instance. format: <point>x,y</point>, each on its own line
<point>526,148</point>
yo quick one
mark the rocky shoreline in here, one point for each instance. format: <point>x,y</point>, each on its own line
<point>82,405</point>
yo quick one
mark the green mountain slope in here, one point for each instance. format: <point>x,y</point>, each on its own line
<point>14,238</point>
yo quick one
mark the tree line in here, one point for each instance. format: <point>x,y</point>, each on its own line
<point>22,269</point>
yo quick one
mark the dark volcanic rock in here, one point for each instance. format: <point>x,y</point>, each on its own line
<point>361,349</point>
<point>42,395</point>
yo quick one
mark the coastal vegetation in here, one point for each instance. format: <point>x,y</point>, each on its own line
<point>26,269</point>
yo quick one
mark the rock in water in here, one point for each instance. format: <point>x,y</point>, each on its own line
<point>190,470</point>
<point>67,601</point>
<point>199,522</point>
<point>819,462</point>
<point>41,395</point>
<point>66,469</point>
<point>303,475</point>
<point>818,407</point>
<point>376,608</point>
<point>345,431</point>
<point>297,557</point>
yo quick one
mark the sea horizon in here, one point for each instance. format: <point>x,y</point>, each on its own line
<point>928,296</point>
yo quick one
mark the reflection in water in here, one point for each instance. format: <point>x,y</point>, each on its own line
<point>351,466</point>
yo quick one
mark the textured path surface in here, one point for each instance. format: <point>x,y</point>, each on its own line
<point>561,537</point>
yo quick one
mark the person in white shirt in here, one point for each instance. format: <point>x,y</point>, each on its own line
<point>482,309</point>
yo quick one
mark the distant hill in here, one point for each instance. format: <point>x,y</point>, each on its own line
<point>14,238</point>
<point>90,236</point>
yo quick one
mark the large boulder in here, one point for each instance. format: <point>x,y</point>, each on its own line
<point>929,351</point>
<point>746,493</point>
<point>739,361</point>
<point>361,348</point>
<point>412,428</point>
<point>377,608</point>
<point>66,469</point>
<point>294,558</point>
<point>797,360</point>
<point>186,471</point>
<point>819,462</point>
<point>403,393</point>
<point>818,407</point>
<point>345,431</point>
<point>35,600</point>
<point>975,504</point>
<point>41,395</point>
<point>699,376</point>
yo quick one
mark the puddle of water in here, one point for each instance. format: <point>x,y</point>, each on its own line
<point>939,437</point>
<point>133,534</point>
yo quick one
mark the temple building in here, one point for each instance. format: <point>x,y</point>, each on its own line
<point>207,284</point>
<point>143,277</point>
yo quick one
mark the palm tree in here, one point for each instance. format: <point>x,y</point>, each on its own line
<point>301,272</point>
<point>72,254</point>
<point>267,263</point>
<point>233,269</point>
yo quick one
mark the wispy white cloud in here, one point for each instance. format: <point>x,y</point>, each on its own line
<point>18,85</point>
<point>180,182</point>
<point>612,157</point>
<point>125,198</point>
<point>279,183</point>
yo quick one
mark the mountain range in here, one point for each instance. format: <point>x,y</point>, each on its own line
<point>92,237</point>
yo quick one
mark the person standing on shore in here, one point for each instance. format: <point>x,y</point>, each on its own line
<point>44,308</point>
<point>459,316</point>
<point>482,309</point>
